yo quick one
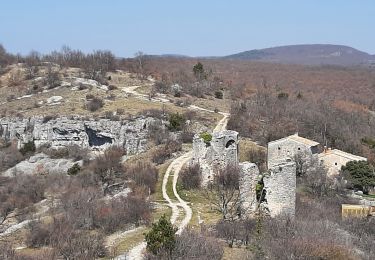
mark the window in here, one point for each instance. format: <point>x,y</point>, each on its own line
<point>299,148</point>
<point>279,148</point>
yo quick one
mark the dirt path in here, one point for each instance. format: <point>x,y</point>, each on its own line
<point>180,206</point>
<point>175,168</point>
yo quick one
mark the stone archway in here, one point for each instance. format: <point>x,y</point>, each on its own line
<point>230,143</point>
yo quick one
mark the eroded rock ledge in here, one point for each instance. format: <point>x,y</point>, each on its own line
<point>60,132</point>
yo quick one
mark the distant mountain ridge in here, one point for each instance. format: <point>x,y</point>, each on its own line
<point>308,54</point>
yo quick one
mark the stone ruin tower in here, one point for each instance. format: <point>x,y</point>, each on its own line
<point>280,186</point>
<point>216,154</point>
<point>279,180</point>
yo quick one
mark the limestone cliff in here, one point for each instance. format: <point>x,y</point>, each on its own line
<point>87,133</point>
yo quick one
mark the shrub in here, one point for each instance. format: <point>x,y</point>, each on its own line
<point>207,138</point>
<point>192,244</point>
<point>94,104</point>
<point>219,94</point>
<point>38,235</point>
<point>360,174</point>
<point>157,133</point>
<point>369,142</point>
<point>82,87</point>
<point>161,236</point>
<point>121,212</point>
<point>164,152</point>
<point>176,122</point>
<point>9,156</point>
<point>143,174</point>
<point>74,170</point>
<point>90,96</point>
<point>187,137</point>
<point>120,111</point>
<point>191,177</point>
<point>283,95</point>
<point>48,118</point>
<point>111,87</point>
<point>28,148</point>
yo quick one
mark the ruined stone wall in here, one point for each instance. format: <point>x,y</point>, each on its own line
<point>249,176</point>
<point>221,151</point>
<point>62,132</point>
<point>280,186</point>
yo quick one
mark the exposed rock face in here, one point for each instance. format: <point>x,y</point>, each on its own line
<point>280,186</point>
<point>41,164</point>
<point>221,151</point>
<point>62,132</point>
<point>249,177</point>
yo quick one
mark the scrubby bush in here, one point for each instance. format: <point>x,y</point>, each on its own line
<point>120,111</point>
<point>38,235</point>
<point>119,213</point>
<point>191,177</point>
<point>75,169</point>
<point>48,118</point>
<point>187,137</point>
<point>176,122</point>
<point>207,137</point>
<point>90,96</point>
<point>28,148</point>
<point>164,152</point>
<point>283,95</point>
<point>107,167</point>
<point>158,133</point>
<point>74,152</point>
<point>94,104</point>
<point>239,232</point>
<point>20,192</point>
<point>143,174</point>
<point>192,244</point>
<point>112,87</point>
<point>9,156</point>
<point>219,94</point>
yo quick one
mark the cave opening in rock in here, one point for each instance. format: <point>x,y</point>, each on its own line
<point>96,139</point>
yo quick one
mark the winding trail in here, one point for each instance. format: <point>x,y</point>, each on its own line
<point>180,206</point>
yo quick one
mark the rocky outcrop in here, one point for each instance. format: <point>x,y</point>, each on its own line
<point>93,134</point>
<point>41,164</point>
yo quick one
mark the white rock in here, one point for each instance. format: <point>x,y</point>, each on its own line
<point>41,164</point>
<point>54,99</point>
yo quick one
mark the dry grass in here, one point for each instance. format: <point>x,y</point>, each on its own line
<point>235,253</point>
<point>246,145</point>
<point>200,206</point>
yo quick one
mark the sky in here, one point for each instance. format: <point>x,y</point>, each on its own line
<point>193,27</point>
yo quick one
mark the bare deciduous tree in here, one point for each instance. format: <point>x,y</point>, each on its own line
<point>223,192</point>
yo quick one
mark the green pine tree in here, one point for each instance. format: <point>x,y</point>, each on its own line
<point>161,237</point>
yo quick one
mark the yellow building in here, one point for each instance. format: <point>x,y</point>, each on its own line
<point>348,210</point>
<point>334,159</point>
